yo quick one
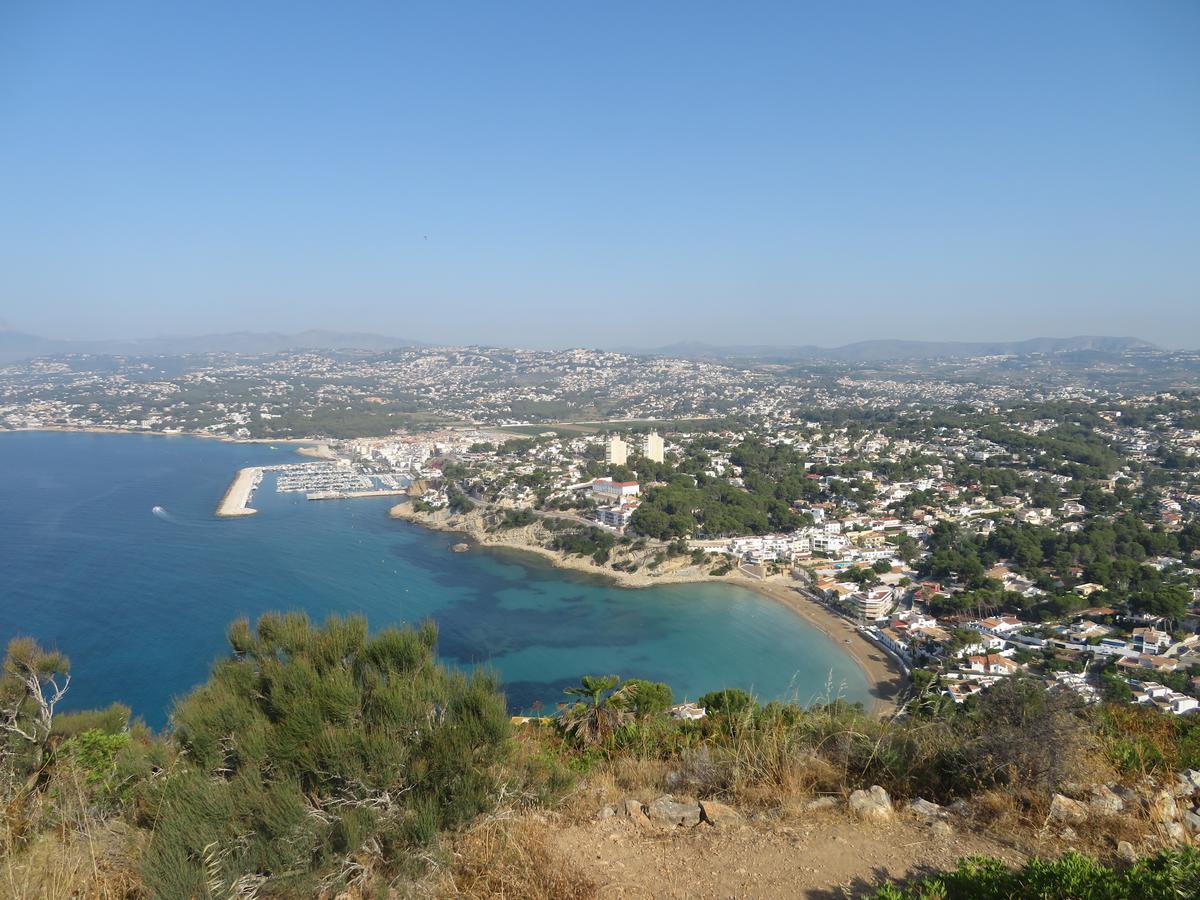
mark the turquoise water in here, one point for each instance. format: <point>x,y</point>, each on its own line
<point>140,602</point>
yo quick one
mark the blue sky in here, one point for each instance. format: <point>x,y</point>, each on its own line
<point>618,173</point>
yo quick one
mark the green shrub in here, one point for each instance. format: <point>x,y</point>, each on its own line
<point>650,698</point>
<point>113,720</point>
<point>1169,874</point>
<point>309,744</point>
<point>729,702</point>
<point>517,518</point>
<point>95,752</point>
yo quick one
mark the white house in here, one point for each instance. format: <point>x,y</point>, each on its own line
<point>618,491</point>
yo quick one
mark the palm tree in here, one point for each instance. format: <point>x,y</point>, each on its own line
<point>598,715</point>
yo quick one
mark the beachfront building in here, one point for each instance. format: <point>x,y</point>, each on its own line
<point>616,451</point>
<point>616,516</point>
<point>824,542</point>
<point>873,604</point>
<point>767,548</point>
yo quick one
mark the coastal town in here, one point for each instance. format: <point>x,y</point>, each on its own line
<point>346,394</point>
<point>1060,542</point>
<point>951,529</point>
<point>600,451</point>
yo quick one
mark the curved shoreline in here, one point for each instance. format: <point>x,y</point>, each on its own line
<point>885,680</point>
<point>100,429</point>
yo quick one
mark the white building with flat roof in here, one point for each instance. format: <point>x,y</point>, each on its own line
<point>616,516</point>
<point>617,491</point>
<point>652,447</point>
<point>616,451</point>
<point>875,603</point>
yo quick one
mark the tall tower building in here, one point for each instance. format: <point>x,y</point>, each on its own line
<point>616,451</point>
<point>652,447</point>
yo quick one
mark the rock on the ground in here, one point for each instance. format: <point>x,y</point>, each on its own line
<point>716,813</point>
<point>1126,852</point>
<point>874,805</point>
<point>631,808</point>
<point>820,803</point>
<point>1162,807</point>
<point>1105,802</point>
<point>941,828</point>
<point>606,812</point>
<point>670,812</point>
<point>1077,790</point>
<point>1175,832</point>
<point>1192,777</point>
<point>1064,809</point>
<point>926,809</point>
<point>1192,822</point>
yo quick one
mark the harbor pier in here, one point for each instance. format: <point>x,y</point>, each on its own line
<point>236,501</point>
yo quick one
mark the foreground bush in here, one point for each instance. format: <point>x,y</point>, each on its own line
<point>320,758</point>
<point>1017,737</point>
<point>1168,875</point>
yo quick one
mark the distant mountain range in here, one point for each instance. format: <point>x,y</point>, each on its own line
<point>881,351</point>
<point>15,345</point>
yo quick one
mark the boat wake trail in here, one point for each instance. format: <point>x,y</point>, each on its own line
<point>162,513</point>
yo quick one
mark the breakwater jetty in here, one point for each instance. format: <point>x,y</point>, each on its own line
<point>351,495</point>
<point>236,501</point>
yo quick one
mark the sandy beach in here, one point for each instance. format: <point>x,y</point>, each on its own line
<point>886,678</point>
<point>320,451</point>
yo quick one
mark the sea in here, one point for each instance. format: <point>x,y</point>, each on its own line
<point>111,554</point>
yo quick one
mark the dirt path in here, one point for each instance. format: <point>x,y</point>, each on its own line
<point>823,857</point>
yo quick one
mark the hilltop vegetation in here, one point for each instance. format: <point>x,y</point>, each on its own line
<point>1074,876</point>
<point>322,760</point>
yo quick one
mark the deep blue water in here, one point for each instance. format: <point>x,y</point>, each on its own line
<point>140,602</point>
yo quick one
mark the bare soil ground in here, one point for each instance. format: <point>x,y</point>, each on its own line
<point>825,856</point>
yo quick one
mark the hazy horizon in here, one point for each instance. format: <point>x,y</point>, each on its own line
<point>417,340</point>
<point>604,176</point>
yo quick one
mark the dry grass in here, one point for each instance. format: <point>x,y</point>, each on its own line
<point>513,858</point>
<point>766,779</point>
<point>54,845</point>
<point>96,863</point>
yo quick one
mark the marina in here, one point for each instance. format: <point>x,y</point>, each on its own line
<point>320,476</point>
<point>333,480</point>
